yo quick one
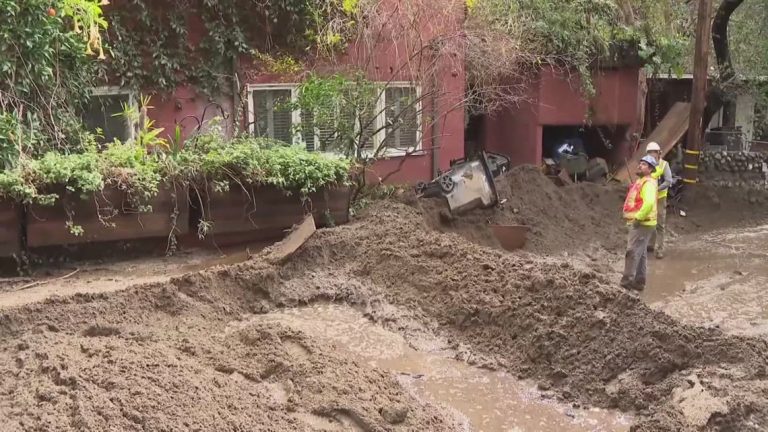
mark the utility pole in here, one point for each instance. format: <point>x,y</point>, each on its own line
<point>698,100</point>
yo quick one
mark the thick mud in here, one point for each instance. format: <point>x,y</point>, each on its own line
<point>154,358</point>
<point>109,275</point>
<point>482,400</point>
<point>585,216</point>
<point>716,280</point>
<point>235,348</point>
<point>560,219</point>
<point>565,326</point>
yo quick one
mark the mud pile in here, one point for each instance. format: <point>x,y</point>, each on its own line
<point>558,322</point>
<point>580,216</point>
<point>186,356</point>
<point>560,218</point>
<point>153,358</point>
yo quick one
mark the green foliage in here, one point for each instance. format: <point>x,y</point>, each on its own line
<point>78,172</point>
<point>87,18</point>
<point>256,161</point>
<point>761,110</point>
<point>154,49</point>
<point>748,38</point>
<point>582,33</point>
<point>130,168</point>
<point>45,74</point>
<point>17,137</point>
<point>282,65</point>
<point>122,165</point>
<point>14,187</point>
<point>343,108</point>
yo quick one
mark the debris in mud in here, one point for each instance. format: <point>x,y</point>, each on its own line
<point>567,218</point>
<point>395,414</point>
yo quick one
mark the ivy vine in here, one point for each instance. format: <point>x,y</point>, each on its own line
<point>45,75</point>
<point>199,43</point>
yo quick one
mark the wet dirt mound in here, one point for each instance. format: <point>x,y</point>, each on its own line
<point>154,358</point>
<point>185,356</point>
<point>580,216</point>
<point>558,322</point>
<point>560,218</point>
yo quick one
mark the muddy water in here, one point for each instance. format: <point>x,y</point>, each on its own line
<point>482,400</point>
<point>718,280</point>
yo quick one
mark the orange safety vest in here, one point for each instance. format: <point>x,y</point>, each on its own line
<point>634,201</point>
<point>657,174</point>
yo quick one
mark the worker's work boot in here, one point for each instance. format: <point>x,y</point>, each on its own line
<point>626,284</point>
<point>659,254</point>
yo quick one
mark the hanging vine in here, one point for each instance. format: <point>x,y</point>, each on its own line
<point>45,73</point>
<point>510,38</point>
<point>197,44</point>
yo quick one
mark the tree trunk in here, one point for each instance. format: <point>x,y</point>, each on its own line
<point>718,94</point>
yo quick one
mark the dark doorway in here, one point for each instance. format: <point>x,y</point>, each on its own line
<point>474,134</point>
<point>595,141</point>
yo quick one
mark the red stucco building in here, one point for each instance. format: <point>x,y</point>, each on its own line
<point>394,59</point>
<point>553,107</point>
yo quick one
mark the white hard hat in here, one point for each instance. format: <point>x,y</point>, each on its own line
<point>653,146</point>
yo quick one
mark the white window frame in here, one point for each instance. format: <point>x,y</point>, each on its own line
<point>395,152</point>
<point>316,136</point>
<point>295,114</point>
<point>381,116</point>
<point>119,91</point>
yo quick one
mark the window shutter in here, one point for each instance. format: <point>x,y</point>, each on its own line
<point>369,126</point>
<point>282,117</point>
<point>402,117</point>
<point>330,128</point>
<point>272,120</point>
<point>261,113</point>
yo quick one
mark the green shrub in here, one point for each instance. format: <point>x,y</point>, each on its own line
<point>257,161</point>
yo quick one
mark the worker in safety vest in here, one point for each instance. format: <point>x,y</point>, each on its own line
<point>663,175</point>
<point>640,209</point>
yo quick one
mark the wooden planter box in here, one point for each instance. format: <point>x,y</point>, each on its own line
<point>267,209</point>
<point>47,225</point>
<point>10,228</point>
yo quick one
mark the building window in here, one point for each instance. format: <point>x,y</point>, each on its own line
<point>269,118</point>
<point>402,118</point>
<point>102,114</point>
<point>343,125</point>
<point>393,120</point>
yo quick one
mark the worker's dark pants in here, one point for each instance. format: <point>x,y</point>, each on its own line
<point>636,258</point>
<point>657,241</point>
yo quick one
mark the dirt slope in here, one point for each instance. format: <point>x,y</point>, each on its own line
<point>558,322</point>
<point>581,216</point>
<point>569,218</point>
<point>184,356</point>
<point>153,358</point>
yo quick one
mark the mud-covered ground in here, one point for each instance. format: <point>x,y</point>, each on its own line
<point>231,348</point>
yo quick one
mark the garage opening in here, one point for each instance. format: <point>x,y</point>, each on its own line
<point>584,152</point>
